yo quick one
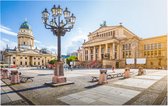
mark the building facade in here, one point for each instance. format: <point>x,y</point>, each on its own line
<point>25,54</point>
<point>112,45</point>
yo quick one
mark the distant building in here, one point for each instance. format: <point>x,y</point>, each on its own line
<point>25,54</point>
<point>112,45</point>
<point>73,54</point>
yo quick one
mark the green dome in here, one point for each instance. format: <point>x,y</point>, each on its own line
<point>25,25</point>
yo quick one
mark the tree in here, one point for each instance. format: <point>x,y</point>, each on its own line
<point>52,61</point>
<point>71,58</point>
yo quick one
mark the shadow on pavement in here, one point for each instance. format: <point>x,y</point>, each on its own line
<point>26,89</point>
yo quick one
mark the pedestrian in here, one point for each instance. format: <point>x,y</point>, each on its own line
<point>113,70</point>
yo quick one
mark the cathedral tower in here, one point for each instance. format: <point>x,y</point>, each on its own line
<point>25,37</point>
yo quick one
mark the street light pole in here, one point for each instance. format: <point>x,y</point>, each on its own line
<point>59,26</point>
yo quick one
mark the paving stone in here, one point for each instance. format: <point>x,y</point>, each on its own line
<point>87,100</point>
<point>14,96</point>
<point>150,77</point>
<point>146,99</point>
<point>5,99</point>
<point>66,98</point>
<point>141,83</point>
<point>76,96</point>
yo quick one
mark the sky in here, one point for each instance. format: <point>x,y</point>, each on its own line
<point>145,18</point>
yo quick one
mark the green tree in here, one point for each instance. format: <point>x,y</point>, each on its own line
<point>71,58</point>
<point>52,61</point>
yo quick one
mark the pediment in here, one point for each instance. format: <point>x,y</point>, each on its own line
<point>29,52</point>
<point>105,28</point>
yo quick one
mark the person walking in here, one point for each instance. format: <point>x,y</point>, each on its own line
<point>113,70</point>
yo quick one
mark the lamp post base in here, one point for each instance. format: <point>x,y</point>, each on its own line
<point>58,79</point>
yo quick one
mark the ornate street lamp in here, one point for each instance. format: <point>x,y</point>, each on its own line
<point>61,22</point>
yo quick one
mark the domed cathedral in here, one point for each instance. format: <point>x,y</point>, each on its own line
<point>25,37</point>
<point>25,54</point>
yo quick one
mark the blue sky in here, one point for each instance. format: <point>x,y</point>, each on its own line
<point>146,18</point>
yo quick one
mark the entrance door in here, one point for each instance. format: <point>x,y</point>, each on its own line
<point>30,60</point>
<point>117,64</point>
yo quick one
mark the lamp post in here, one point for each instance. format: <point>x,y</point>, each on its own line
<point>61,22</point>
<point>134,47</point>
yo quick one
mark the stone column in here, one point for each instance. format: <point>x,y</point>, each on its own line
<point>111,52</point>
<point>89,54</point>
<point>99,52</point>
<point>106,48</point>
<point>94,53</point>
<point>113,57</point>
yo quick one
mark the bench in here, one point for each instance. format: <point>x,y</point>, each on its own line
<point>112,75</point>
<point>95,78</point>
<point>25,79</point>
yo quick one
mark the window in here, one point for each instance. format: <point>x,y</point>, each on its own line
<point>129,53</point>
<point>148,47</point>
<point>38,58</point>
<point>126,53</point>
<point>14,62</point>
<point>145,47</point>
<point>34,63</point>
<point>91,51</point>
<point>155,52</point>
<point>24,43</point>
<point>97,50</point>
<point>108,50</point>
<point>123,54</point>
<point>20,63</point>
<point>144,53</point>
<point>13,57</point>
<point>20,57</point>
<point>159,45</point>
<point>148,53</point>
<point>159,52</point>
<point>155,45</point>
<point>113,33</point>
<point>115,47</point>
<point>25,57</point>
<point>34,58</point>
<point>123,47</point>
<point>102,50</point>
<point>151,63</point>
<point>38,63</point>
<point>152,53</point>
<point>152,47</point>
<point>129,46</point>
<point>25,63</point>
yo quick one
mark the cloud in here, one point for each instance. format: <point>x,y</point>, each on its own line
<point>4,42</point>
<point>51,48</point>
<point>7,31</point>
<point>37,41</point>
<point>76,42</point>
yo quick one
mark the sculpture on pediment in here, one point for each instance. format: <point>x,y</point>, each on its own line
<point>104,24</point>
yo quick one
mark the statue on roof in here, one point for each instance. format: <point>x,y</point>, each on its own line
<point>104,24</point>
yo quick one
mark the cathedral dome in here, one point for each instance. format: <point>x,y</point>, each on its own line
<point>25,25</point>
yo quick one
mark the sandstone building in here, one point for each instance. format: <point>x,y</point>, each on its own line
<point>25,54</point>
<point>112,45</point>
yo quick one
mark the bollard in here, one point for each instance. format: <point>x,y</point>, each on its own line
<point>103,77</point>
<point>4,74</point>
<point>127,73</point>
<point>15,77</point>
<point>141,71</point>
